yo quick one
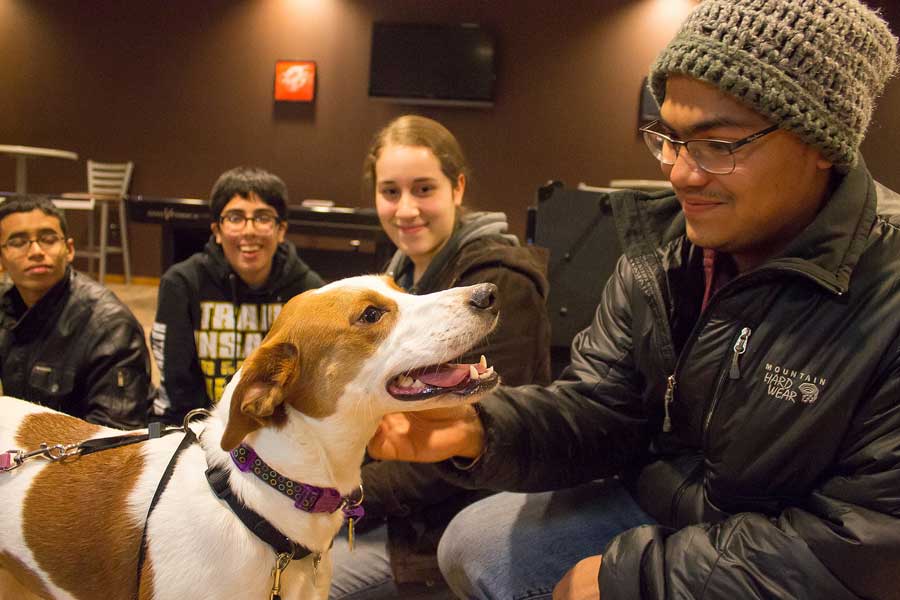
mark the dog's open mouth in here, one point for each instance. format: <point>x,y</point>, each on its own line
<point>462,379</point>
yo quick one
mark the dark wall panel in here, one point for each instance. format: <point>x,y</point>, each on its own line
<point>185,90</point>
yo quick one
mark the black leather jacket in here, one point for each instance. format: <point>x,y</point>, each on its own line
<point>779,476</point>
<point>79,350</point>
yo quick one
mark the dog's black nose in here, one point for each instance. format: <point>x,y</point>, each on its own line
<point>484,297</point>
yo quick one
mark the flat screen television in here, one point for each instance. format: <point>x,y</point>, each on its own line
<point>441,64</point>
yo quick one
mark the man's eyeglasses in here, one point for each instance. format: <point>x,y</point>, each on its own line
<point>713,156</point>
<point>234,222</point>
<point>21,244</point>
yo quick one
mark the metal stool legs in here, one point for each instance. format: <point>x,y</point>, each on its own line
<point>123,240</point>
<point>105,248</point>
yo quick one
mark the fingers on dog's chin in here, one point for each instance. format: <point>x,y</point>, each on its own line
<point>453,411</point>
<point>438,415</point>
<point>382,451</point>
<point>394,420</point>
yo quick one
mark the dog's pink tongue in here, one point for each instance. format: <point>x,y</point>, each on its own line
<point>445,376</point>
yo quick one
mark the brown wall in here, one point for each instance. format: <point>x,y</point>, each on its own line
<point>184,90</point>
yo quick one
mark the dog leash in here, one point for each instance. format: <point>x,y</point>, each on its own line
<point>13,459</point>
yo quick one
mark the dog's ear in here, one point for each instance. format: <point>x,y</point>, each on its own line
<point>259,396</point>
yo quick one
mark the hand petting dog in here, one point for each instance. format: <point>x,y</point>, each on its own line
<point>429,435</point>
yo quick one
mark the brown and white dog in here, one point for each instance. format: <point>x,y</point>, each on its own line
<point>307,401</point>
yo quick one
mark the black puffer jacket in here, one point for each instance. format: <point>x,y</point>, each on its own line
<point>78,350</point>
<point>208,320</point>
<point>779,476</point>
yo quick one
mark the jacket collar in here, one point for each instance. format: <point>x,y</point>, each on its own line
<point>31,320</point>
<point>827,250</point>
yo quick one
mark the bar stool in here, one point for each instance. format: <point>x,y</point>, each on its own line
<point>107,184</point>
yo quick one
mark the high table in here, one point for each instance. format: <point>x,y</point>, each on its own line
<point>23,153</point>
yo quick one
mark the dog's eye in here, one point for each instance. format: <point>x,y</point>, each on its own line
<point>372,314</point>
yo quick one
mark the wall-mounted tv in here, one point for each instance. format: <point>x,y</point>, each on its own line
<point>440,64</point>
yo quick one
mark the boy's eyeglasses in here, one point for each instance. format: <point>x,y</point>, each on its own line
<point>233,222</point>
<point>21,244</point>
<point>713,156</point>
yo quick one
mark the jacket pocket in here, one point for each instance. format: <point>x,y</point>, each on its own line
<point>50,384</point>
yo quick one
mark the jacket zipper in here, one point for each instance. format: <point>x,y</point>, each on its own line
<point>740,346</point>
<point>734,372</point>
<point>670,395</point>
<point>643,275</point>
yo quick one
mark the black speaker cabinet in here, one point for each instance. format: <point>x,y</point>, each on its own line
<point>577,227</point>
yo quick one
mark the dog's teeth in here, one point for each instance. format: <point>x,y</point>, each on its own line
<point>483,362</point>
<point>487,373</point>
<point>473,372</point>
<point>405,381</point>
<point>417,384</point>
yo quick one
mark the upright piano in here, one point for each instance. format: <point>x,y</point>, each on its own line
<point>335,241</point>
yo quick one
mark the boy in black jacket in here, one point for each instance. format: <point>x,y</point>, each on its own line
<point>216,307</point>
<point>738,390</point>
<point>66,342</point>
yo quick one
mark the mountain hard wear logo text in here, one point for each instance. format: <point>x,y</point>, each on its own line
<point>792,385</point>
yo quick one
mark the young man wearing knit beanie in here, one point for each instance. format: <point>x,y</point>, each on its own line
<point>729,426</point>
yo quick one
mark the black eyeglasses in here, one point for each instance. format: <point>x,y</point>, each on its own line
<point>713,156</point>
<point>263,222</point>
<point>21,244</point>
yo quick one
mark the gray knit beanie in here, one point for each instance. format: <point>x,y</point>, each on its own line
<point>814,67</point>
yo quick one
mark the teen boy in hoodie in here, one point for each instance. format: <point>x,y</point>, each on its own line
<point>215,308</point>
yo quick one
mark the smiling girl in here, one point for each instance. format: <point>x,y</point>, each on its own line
<point>416,173</point>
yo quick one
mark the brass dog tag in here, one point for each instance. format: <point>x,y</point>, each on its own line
<point>316,560</point>
<point>350,533</point>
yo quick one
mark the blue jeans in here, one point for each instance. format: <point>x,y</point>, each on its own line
<point>365,573</point>
<point>517,546</point>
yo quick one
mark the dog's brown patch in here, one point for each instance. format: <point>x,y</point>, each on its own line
<point>82,494</point>
<point>52,428</point>
<point>334,340</point>
<point>18,581</point>
<point>259,396</point>
<point>314,349</point>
